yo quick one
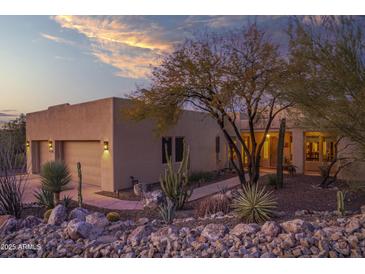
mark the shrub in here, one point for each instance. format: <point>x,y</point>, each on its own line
<point>167,211</point>
<point>12,184</point>
<point>113,216</point>
<point>175,184</point>
<point>201,176</point>
<point>44,198</point>
<point>341,202</point>
<point>66,201</point>
<point>216,203</point>
<point>254,204</point>
<point>47,214</point>
<point>272,180</point>
<point>55,176</point>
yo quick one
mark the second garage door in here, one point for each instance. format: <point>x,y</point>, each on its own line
<point>89,155</point>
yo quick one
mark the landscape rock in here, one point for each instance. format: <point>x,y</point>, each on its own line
<point>138,234</point>
<point>78,229</point>
<point>296,226</point>
<point>214,231</point>
<point>78,213</point>
<point>243,229</point>
<point>270,228</point>
<point>152,199</point>
<point>58,215</point>
<point>97,219</point>
<point>8,226</point>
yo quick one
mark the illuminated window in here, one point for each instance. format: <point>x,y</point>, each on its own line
<point>312,148</point>
<point>266,149</point>
<point>329,149</point>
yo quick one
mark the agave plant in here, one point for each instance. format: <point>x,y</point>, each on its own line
<point>55,176</point>
<point>44,198</point>
<point>254,204</point>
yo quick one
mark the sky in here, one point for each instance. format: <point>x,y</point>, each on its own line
<point>51,60</point>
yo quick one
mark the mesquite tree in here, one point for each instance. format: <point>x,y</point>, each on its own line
<point>223,75</point>
<point>279,165</point>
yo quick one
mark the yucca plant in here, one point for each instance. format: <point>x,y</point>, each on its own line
<point>55,176</point>
<point>44,198</point>
<point>254,204</point>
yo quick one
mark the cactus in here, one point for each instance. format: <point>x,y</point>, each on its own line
<point>167,211</point>
<point>280,151</point>
<point>175,185</point>
<point>79,190</point>
<point>113,216</point>
<point>341,202</point>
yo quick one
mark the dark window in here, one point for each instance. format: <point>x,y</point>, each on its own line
<point>179,149</point>
<point>217,145</point>
<point>166,145</point>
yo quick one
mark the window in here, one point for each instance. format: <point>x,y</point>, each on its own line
<point>266,149</point>
<point>179,149</point>
<point>329,149</point>
<point>166,148</point>
<point>217,145</point>
<point>312,148</point>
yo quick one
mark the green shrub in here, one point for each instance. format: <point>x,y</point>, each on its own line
<point>216,203</point>
<point>44,198</point>
<point>113,216</point>
<point>55,176</point>
<point>175,184</point>
<point>201,176</point>
<point>47,214</point>
<point>272,180</point>
<point>254,204</point>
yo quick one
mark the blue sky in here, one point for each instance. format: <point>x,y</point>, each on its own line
<point>48,60</point>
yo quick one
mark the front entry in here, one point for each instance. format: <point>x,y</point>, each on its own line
<point>273,150</point>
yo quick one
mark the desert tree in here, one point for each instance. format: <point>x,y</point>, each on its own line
<point>225,75</point>
<point>327,79</point>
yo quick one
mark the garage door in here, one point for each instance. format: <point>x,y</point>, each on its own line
<point>89,155</point>
<point>44,154</point>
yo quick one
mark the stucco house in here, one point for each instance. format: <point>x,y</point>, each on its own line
<point>112,148</point>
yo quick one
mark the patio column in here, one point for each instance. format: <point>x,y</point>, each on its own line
<point>298,149</point>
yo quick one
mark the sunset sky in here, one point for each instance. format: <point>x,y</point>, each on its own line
<point>48,60</point>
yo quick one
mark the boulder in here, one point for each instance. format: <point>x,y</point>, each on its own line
<point>58,215</point>
<point>142,221</point>
<point>271,229</point>
<point>138,234</point>
<point>30,221</point>
<point>8,226</point>
<point>4,219</point>
<point>153,199</point>
<point>362,209</point>
<point>77,229</point>
<point>214,231</point>
<point>296,226</point>
<point>97,219</point>
<point>243,229</point>
<point>78,213</point>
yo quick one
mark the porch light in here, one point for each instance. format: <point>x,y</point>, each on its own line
<point>267,135</point>
<point>106,145</point>
<point>27,144</point>
<point>50,146</point>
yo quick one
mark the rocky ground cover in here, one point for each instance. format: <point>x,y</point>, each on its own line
<point>83,233</point>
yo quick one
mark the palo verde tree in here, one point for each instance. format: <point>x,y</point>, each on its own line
<point>327,81</point>
<point>238,72</point>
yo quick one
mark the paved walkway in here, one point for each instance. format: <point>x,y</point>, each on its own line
<point>91,198</point>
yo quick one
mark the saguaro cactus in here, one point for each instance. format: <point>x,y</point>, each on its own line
<point>341,202</point>
<point>280,151</point>
<point>79,190</point>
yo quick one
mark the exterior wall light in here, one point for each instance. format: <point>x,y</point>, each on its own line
<point>267,135</point>
<point>106,146</point>
<point>50,146</point>
<point>27,144</point>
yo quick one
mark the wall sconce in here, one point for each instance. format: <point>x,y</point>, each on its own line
<point>27,144</point>
<point>267,135</point>
<point>106,145</point>
<point>50,146</point>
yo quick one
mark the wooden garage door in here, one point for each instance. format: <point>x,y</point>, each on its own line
<point>44,154</point>
<point>89,155</point>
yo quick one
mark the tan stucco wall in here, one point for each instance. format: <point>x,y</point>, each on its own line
<point>134,148</point>
<point>91,121</point>
<point>138,150</point>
